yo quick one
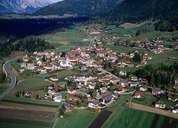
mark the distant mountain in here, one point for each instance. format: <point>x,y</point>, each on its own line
<point>80,7</point>
<point>23,6</point>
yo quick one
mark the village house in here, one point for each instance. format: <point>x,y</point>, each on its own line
<point>136,95</point>
<point>106,98</point>
<point>94,104</point>
<point>157,91</point>
<point>160,105</point>
<point>175,109</point>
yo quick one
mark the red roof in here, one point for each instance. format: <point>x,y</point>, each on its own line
<point>136,94</point>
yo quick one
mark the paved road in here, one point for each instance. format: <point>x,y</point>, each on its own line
<point>11,75</point>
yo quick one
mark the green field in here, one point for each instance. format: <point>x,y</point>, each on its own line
<point>32,83</point>
<point>164,58</point>
<point>147,31</point>
<point>123,117</point>
<point>10,123</point>
<point>147,99</point>
<point>66,39</point>
<point>163,35</point>
<point>76,119</point>
<point>64,73</point>
<point>30,101</point>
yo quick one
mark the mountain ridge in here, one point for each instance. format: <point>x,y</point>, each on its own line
<point>23,6</point>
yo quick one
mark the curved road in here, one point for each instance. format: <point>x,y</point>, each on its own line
<point>7,68</point>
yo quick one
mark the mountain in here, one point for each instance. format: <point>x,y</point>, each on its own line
<point>80,7</point>
<point>117,10</point>
<point>23,6</point>
<point>134,10</point>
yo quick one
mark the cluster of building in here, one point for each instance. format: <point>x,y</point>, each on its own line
<point>100,88</point>
<point>45,62</point>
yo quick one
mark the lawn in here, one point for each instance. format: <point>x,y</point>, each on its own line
<point>147,99</point>
<point>76,119</point>
<point>11,123</point>
<point>32,83</point>
<point>64,73</point>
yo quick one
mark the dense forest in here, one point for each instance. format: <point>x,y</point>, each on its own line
<point>28,44</point>
<point>139,10</point>
<point>163,76</point>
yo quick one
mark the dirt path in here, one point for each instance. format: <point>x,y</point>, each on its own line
<point>152,110</point>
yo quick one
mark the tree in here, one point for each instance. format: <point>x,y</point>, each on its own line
<point>17,94</point>
<point>45,88</point>
<point>2,77</point>
<point>137,58</point>
<point>63,54</point>
<point>44,58</point>
<point>93,93</point>
<point>56,88</point>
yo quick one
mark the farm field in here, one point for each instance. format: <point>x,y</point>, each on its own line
<point>146,28</point>
<point>4,123</point>
<point>166,57</point>
<point>123,117</point>
<point>76,119</point>
<point>29,101</point>
<point>66,39</point>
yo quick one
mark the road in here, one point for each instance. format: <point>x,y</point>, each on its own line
<point>11,75</point>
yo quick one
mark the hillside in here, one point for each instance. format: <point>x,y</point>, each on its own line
<point>134,10</point>
<point>80,7</point>
<point>117,10</point>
